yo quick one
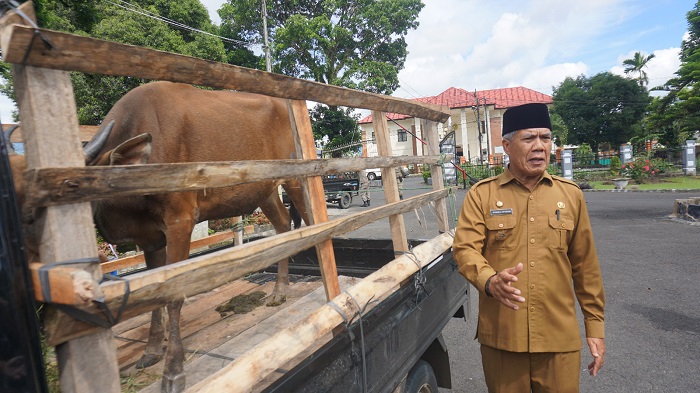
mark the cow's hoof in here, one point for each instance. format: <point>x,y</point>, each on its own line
<point>276,300</point>
<point>148,360</point>
<point>174,384</point>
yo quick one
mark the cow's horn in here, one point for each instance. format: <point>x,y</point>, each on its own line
<point>97,142</point>
<point>7,134</point>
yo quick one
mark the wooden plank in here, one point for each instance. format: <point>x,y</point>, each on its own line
<point>154,288</point>
<point>391,190</point>
<point>314,196</point>
<point>123,263</point>
<point>53,186</point>
<point>90,55</point>
<point>433,140</point>
<point>243,374</point>
<point>48,114</point>
<point>86,133</point>
<point>246,331</point>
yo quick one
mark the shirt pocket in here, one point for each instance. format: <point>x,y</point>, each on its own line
<point>500,233</point>
<point>560,230</point>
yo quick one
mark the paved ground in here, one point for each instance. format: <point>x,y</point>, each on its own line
<point>650,267</point>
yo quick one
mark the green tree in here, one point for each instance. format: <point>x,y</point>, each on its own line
<point>677,115</point>
<point>602,108</point>
<point>139,22</point>
<point>338,126</point>
<point>353,43</point>
<point>559,130</point>
<point>636,66</point>
<point>358,44</point>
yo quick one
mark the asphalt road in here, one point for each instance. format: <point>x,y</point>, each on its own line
<point>650,266</point>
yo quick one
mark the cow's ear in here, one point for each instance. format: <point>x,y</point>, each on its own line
<point>134,151</point>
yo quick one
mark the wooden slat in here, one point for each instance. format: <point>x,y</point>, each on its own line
<point>243,373</point>
<point>132,261</point>
<point>314,197</point>
<point>154,288</point>
<point>436,172</point>
<point>90,55</point>
<point>48,114</point>
<point>54,186</point>
<point>391,191</point>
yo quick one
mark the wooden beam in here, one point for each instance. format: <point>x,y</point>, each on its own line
<point>48,114</point>
<point>123,263</point>
<point>154,288</point>
<point>55,186</point>
<point>75,53</point>
<point>390,182</point>
<point>243,374</point>
<point>436,173</point>
<point>314,196</point>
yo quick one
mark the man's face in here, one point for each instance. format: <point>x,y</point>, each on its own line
<point>529,152</point>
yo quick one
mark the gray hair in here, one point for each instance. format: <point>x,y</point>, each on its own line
<point>509,136</point>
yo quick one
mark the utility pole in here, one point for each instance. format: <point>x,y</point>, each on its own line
<point>268,65</point>
<point>487,129</point>
<point>478,129</point>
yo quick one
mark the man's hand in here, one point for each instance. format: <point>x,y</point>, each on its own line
<point>501,289</point>
<point>597,347</point>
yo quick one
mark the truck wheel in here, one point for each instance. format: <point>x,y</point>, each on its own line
<point>421,379</point>
<point>371,176</point>
<point>345,200</point>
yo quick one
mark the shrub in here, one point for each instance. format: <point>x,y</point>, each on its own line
<point>642,169</point>
<point>615,165</point>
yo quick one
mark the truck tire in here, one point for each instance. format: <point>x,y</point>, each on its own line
<point>421,379</point>
<point>345,200</point>
<point>371,176</point>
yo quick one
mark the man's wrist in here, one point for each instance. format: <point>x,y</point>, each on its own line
<point>486,286</point>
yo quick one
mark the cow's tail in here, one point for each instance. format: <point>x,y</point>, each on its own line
<point>296,216</point>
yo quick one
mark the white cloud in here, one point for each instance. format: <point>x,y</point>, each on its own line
<point>659,69</point>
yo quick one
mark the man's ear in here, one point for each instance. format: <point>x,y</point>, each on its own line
<point>506,146</point>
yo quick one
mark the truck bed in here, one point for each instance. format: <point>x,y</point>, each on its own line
<point>396,333</point>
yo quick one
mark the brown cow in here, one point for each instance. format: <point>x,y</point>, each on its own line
<point>165,122</point>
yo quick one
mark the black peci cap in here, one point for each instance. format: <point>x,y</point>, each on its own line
<point>526,116</point>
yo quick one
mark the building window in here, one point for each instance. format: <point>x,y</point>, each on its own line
<point>373,136</point>
<point>402,136</point>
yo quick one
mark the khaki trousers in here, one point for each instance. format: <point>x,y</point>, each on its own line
<point>523,372</point>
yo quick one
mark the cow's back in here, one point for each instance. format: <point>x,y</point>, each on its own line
<point>188,124</point>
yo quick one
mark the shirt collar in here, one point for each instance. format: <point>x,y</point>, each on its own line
<point>507,177</point>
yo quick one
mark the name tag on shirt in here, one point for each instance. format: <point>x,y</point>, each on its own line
<point>501,212</point>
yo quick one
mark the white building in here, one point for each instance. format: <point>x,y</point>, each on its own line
<point>477,126</point>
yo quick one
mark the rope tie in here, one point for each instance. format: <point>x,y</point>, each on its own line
<point>37,33</point>
<point>420,279</point>
<point>348,322</point>
<point>76,313</point>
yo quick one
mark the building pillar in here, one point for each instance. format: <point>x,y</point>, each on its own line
<point>567,165</point>
<point>689,164</point>
<point>625,154</point>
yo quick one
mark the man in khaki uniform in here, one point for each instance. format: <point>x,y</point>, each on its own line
<point>523,238</point>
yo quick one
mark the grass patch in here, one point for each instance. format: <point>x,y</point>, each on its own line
<point>668,183</point>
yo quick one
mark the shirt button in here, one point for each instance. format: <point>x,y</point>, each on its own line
<point>532,197</point>
<point>532,286</point>
<point>500,225</point>
<point>532,309</point>
<point>563,225</point>
<point>532,241</point>
<point>532,263</point>
<point>532,218</point>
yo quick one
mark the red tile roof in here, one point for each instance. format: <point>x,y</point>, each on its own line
<point>460,98</point>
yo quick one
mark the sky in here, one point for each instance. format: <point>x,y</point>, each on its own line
<point>477,45</point>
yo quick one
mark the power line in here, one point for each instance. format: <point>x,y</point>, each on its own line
<point>138,10</point>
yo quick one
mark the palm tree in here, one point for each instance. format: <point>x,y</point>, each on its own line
<point>636,65</point>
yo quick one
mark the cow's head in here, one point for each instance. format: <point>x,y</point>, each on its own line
<point>132,151</point>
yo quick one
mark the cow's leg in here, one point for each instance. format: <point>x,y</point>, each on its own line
<point>154,348</point>
<point>279,217</point>
<point>179,225</point>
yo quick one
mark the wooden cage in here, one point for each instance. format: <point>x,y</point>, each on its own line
<point>58,183</point>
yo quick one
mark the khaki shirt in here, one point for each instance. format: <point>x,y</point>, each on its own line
<point>502,223</point>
